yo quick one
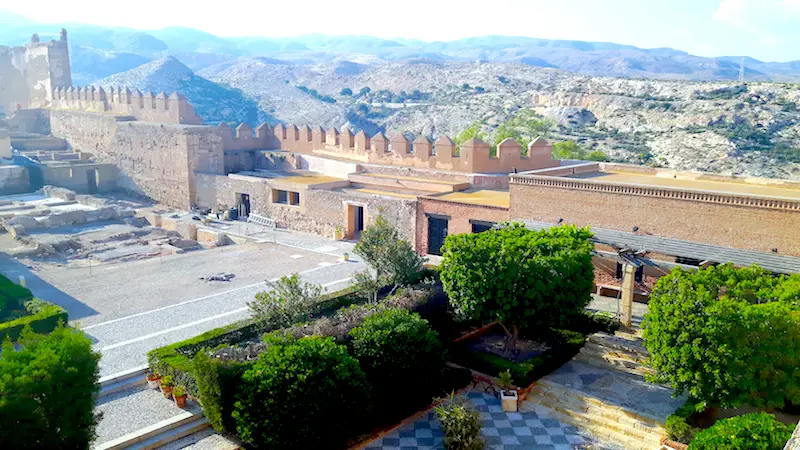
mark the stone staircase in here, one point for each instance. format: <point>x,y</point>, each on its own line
<point>621,351</point>
<point>603,391</point>
<point>609,422</point>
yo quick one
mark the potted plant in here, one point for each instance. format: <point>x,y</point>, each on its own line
<point>509,397</point>
<point>153,380</point>
<point>166,386</point>
<point>179,394</point>
<point>339,233</point>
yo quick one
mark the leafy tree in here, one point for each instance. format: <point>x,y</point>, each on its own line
<point>290,300</point>
<point>394,347</point>
<point>301,393</point>
<point>519,277</point>
<point>393,259</point>
<point>48,388</point>
<point>346,92</point>
<point>473,131</point>
<point>757,431</point>
<point>726,336</point>
<point>571,150</point>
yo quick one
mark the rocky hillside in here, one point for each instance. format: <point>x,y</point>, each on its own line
<point>212,101</point>
<point>751,130</point>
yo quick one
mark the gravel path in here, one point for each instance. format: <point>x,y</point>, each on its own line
<point>131,410</point>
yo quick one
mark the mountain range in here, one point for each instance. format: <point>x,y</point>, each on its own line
<point>98,52</point>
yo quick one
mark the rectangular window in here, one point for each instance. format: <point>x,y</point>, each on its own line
<point>280,197</point>
<point>294,198</point>
<point>479,226</point>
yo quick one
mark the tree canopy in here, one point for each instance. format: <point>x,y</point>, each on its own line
<point>519,277</point>
<point>727,336</point>
<point>48,388</point>
<point>393,258</point>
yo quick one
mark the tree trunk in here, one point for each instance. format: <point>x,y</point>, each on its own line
<point>512,336</point>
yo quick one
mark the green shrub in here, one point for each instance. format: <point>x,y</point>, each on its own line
<point>48,389</point>
<point>757,431</point>
<point>304,393</point>
<point>400,354</point>
<point>461,425</point>
<point>12,296</point>
<point>43,317</point>
<point>677,425</point>
<point>217,382</point>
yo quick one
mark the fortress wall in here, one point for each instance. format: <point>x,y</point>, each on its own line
<point>154,160</point>
<point>146,107</point>
<point>472,157</point>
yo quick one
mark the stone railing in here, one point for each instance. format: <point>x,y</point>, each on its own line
<point>752,201</point>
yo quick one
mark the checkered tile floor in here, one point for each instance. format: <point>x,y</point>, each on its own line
<point>503,431</point>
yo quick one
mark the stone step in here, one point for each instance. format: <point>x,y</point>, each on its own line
<point>39,143</point>
<point>159,434</point>
<point>123,380</point>
<point>578,401</point>
<point>623,342</point>
<point>612,358</point>
<point>383,181</point>
<point>606,434</point>
<point>619,423</point>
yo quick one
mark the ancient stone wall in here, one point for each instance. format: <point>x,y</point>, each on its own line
<point>155,160</point>
<point>320,210</point>
<point>76,177</point>
<point>699,220</point>
<point>473,156</point>
<point>460,217</point>
<point>5,144</point>
<point>30,72</point>
<point>14,180</point>
<point>146,107</point>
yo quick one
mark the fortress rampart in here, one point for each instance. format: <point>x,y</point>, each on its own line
<point>473,156</point>
<point>121,101</point>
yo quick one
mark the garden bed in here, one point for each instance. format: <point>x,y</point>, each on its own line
<point>538,353</point>
<point>18,309</point>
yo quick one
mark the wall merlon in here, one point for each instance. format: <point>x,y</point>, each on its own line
<point>473,156</point>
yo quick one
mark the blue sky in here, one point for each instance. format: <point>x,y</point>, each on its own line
<point>765,29</point>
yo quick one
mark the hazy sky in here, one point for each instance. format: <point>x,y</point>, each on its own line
<point>765,29</point>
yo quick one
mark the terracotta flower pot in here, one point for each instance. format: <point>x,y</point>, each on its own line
<point>167,391</point>
<point>181,401</point>
<point>153,382</point>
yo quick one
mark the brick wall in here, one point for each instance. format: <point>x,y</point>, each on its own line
<point>718,224</point>
<point>460,215</point>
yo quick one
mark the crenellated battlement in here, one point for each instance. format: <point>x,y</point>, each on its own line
<point>147,107</point>
<point>473,156</point>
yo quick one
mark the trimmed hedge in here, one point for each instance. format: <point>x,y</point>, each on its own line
<point>44,317</point>
<point>757,431</point>
<point>176,359</point>
<point>400,354</point>
<point>677,423</point>
<point>301,393</point>
<point>12,296</point>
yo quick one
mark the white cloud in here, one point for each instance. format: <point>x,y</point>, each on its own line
<point>733,12</point>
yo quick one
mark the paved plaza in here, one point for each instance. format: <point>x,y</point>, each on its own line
<point>503,431</point>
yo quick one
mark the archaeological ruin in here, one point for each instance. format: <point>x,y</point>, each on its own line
<point>335,182</point>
